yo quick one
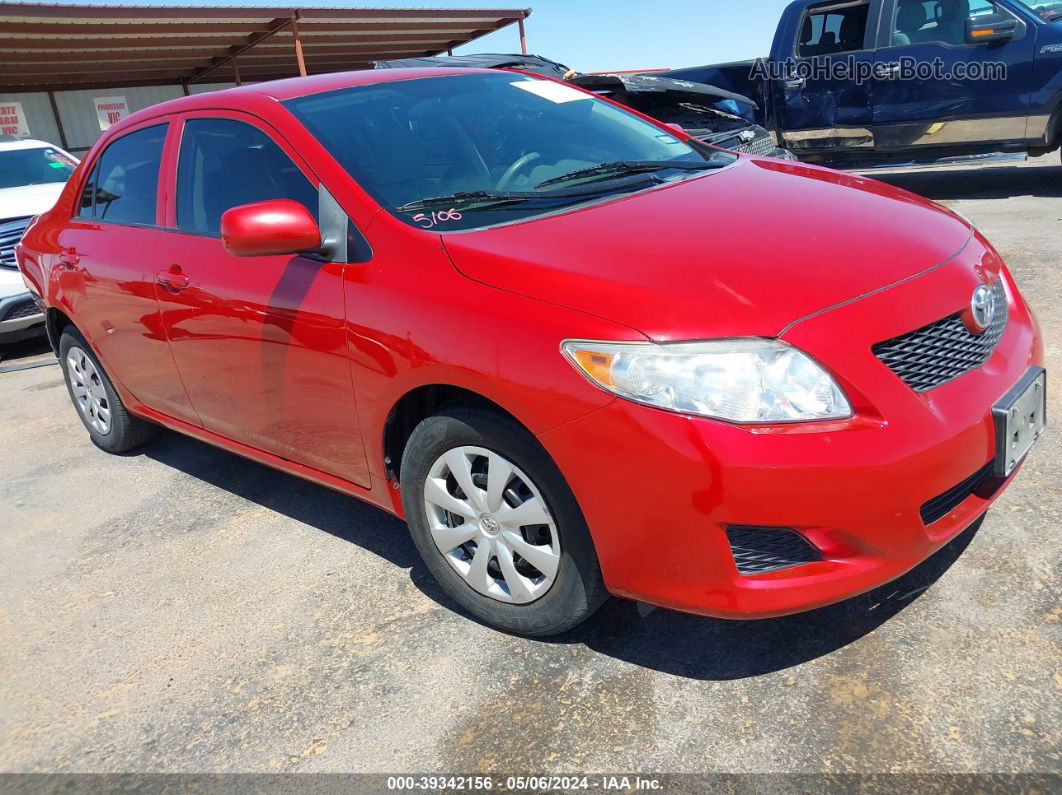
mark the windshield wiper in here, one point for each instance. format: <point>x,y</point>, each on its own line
<point>488,198</point>
<point>633,167</point>
<point>461,198</point>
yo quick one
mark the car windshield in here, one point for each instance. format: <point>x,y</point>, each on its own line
<point>457,152</point>
<point>37,166</point>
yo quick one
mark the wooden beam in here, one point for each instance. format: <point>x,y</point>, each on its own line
<point>298,43</point>
<point>148,57</point>
<point>476,34</point>
<point>275,26</point>
<point>121,43</point>
<point>523,36</point>
<point>18,10</point>
<point>58,120</point>
<point>75,85</point>
<point>8,71</point>
<point>48,29</point>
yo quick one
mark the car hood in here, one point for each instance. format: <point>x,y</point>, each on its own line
<point>27,200</point>
<point>744,251</point>
<point>682,90</point>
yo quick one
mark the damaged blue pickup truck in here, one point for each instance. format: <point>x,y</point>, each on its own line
<point>860,83</point>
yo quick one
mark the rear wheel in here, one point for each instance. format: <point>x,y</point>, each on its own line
<point>110,426</point>
<point>497,525</point>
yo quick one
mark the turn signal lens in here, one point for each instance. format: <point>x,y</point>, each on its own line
<point>754,381</point>
<point>597,365</point>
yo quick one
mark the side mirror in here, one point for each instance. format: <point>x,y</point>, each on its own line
<point>989,30</point>
<point>278,226</point>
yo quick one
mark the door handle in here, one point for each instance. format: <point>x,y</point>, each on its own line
<point>173,280</point>
<point>795,84</point>
<point>69,259</point>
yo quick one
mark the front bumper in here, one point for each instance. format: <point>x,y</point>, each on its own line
<point>20,318</point>
<point>660,490</point>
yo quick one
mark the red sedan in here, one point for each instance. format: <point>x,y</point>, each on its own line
<point>577,351</point>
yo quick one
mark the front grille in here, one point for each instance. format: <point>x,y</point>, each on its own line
<point>763,145</point>
<point>939,507</point>
<point>942,351</point>
<point>758,550</point>
<point>10,234</point>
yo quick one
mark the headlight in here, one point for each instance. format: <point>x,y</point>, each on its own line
<point>755,381</point>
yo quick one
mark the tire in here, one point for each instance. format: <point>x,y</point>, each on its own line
<point>518,597</point>
<point>109,424</point>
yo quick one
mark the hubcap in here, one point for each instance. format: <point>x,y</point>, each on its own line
<point>492,525</point>
<point>89,394</point>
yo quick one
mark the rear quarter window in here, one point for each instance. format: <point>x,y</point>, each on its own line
<point>123,186</point>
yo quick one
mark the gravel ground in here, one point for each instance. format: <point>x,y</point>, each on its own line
<point>184,610</point>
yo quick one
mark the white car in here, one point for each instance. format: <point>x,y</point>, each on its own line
<point>32,175</point>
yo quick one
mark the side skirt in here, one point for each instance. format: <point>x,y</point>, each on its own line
<point>380,495</point>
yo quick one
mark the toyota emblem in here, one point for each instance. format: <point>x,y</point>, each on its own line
<point>982,307</point>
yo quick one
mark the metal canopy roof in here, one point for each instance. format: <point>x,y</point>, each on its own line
<point>46,47</point>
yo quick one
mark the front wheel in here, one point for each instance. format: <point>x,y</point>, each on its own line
<point>497,525</point>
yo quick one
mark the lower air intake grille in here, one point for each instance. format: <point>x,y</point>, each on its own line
<point>758,550</point>
<point>20,309</point>
<point>940,352</point>
<point>939,507</point>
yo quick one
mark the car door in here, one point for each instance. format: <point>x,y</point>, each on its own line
<point>826,102</point>
<point>107,266</point>
<point>259,341</point>
<point>950,110</point>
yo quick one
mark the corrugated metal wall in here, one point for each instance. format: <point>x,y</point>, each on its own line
<point>202,88</point>
<point>77,109</point>
<point>39,114</point>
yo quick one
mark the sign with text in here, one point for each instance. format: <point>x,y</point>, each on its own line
<point>110,110</point>
<point>13,120</point>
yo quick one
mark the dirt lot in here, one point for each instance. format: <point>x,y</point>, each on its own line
<point>185,610</point>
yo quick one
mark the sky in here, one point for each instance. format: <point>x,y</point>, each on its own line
<point>599,35</point>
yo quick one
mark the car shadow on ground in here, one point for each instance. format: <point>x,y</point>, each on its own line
<point>717,650</point>
<point>27,351</point>
<point>337,514</point>
<point>675,643</point>
<point>995,182</point>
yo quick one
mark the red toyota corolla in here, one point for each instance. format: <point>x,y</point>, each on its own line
<point>576,351</point>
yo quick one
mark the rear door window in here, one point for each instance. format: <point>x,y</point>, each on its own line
<point>123,187</point>
<point>836,28</point>
<point>226,163</point>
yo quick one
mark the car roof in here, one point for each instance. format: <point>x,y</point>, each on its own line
<point>244,97</point>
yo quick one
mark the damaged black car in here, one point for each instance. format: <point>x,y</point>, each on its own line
<point>710,114</point>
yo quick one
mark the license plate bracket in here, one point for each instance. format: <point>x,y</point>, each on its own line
<point>1020,417</point>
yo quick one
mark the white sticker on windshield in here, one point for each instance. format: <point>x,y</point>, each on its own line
<point>554,92</point>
